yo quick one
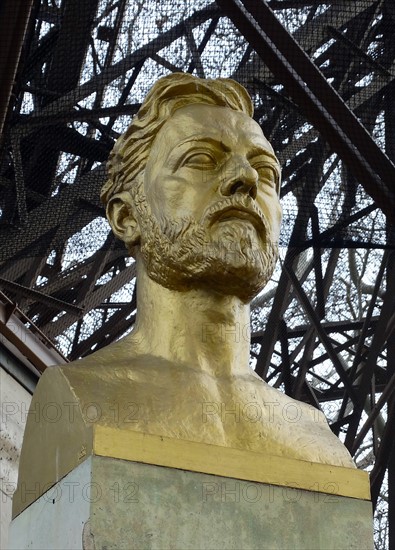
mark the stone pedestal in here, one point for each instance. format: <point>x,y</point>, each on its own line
<point>128,502</point>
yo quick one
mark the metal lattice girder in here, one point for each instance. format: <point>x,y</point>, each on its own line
<point>320,332</point>
<point>44,219</point>
<point>68,100</point>
<point>312,34</point>
<point>77,21</point>
<point>14,19</point>
<point>316,98</point>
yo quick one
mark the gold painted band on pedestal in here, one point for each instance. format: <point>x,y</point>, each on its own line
<point>230,462</point>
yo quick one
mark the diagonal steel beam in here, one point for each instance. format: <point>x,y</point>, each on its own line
<point>13,24</point>
<point>322,105</point>
<point>385,450</point>
<point>44,218</point>
<point>49,301</point>
<point>112,328</point>
<point>91,301</point>
<point>313,33</point>
<point>309,310</point>
<point>67,101</point>
<point>364,331</point>
<point>41,160</point>
<point>383,400</point>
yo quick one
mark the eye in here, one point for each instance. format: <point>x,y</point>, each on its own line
<point>200,160</point>
<point>267,174</point>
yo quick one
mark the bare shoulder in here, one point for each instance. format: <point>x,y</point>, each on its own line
<point>303,429</point>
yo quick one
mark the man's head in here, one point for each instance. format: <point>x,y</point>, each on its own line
<point>193,188</point>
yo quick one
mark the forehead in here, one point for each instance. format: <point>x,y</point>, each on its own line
<point>232,128</point>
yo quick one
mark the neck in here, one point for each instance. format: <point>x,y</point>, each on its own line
<point>199,328</point>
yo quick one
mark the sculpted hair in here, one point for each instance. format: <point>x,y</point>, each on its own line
<point>131,150</point>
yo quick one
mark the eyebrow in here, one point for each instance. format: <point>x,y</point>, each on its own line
<point>260,152</point>
<point>255,151</point>
<point>196,140</point>
<point>205,139</point>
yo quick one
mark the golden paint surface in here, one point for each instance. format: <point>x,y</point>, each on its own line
<point>193,193</point>
<point>234,463</point>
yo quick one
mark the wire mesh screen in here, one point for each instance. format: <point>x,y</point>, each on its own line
<point>84,70</point>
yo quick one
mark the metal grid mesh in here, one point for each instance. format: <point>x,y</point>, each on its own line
<point>84,70</point>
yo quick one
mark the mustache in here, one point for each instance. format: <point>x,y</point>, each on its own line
<point>243,207</point>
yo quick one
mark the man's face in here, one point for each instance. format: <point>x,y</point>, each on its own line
<point>211,186</point>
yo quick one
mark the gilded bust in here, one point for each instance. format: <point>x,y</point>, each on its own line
<point>193,191</point>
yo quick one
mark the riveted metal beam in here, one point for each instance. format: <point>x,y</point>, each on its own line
<point>319,101</point>
<point>14,18</point>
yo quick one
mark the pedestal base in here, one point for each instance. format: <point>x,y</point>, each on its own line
<point>108,503</point>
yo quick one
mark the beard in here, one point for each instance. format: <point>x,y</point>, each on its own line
<point>230,257</point>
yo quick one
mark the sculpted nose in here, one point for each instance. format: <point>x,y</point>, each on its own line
<point>244,180</point>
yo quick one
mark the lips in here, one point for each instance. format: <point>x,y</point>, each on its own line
<point>240,213</point>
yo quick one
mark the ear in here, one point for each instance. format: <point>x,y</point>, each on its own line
<point>121,216</point>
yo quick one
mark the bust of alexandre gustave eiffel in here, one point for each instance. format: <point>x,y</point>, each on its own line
<point>193,191</point>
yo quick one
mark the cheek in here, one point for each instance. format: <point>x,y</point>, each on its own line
<point>271,207</point>
<point>277,222</point>
<point>278,216</point>
<point>169,195</point>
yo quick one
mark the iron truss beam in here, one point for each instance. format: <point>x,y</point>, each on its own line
<point>323,331</point>
<point>314,95</point>
<point>14,19</point>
